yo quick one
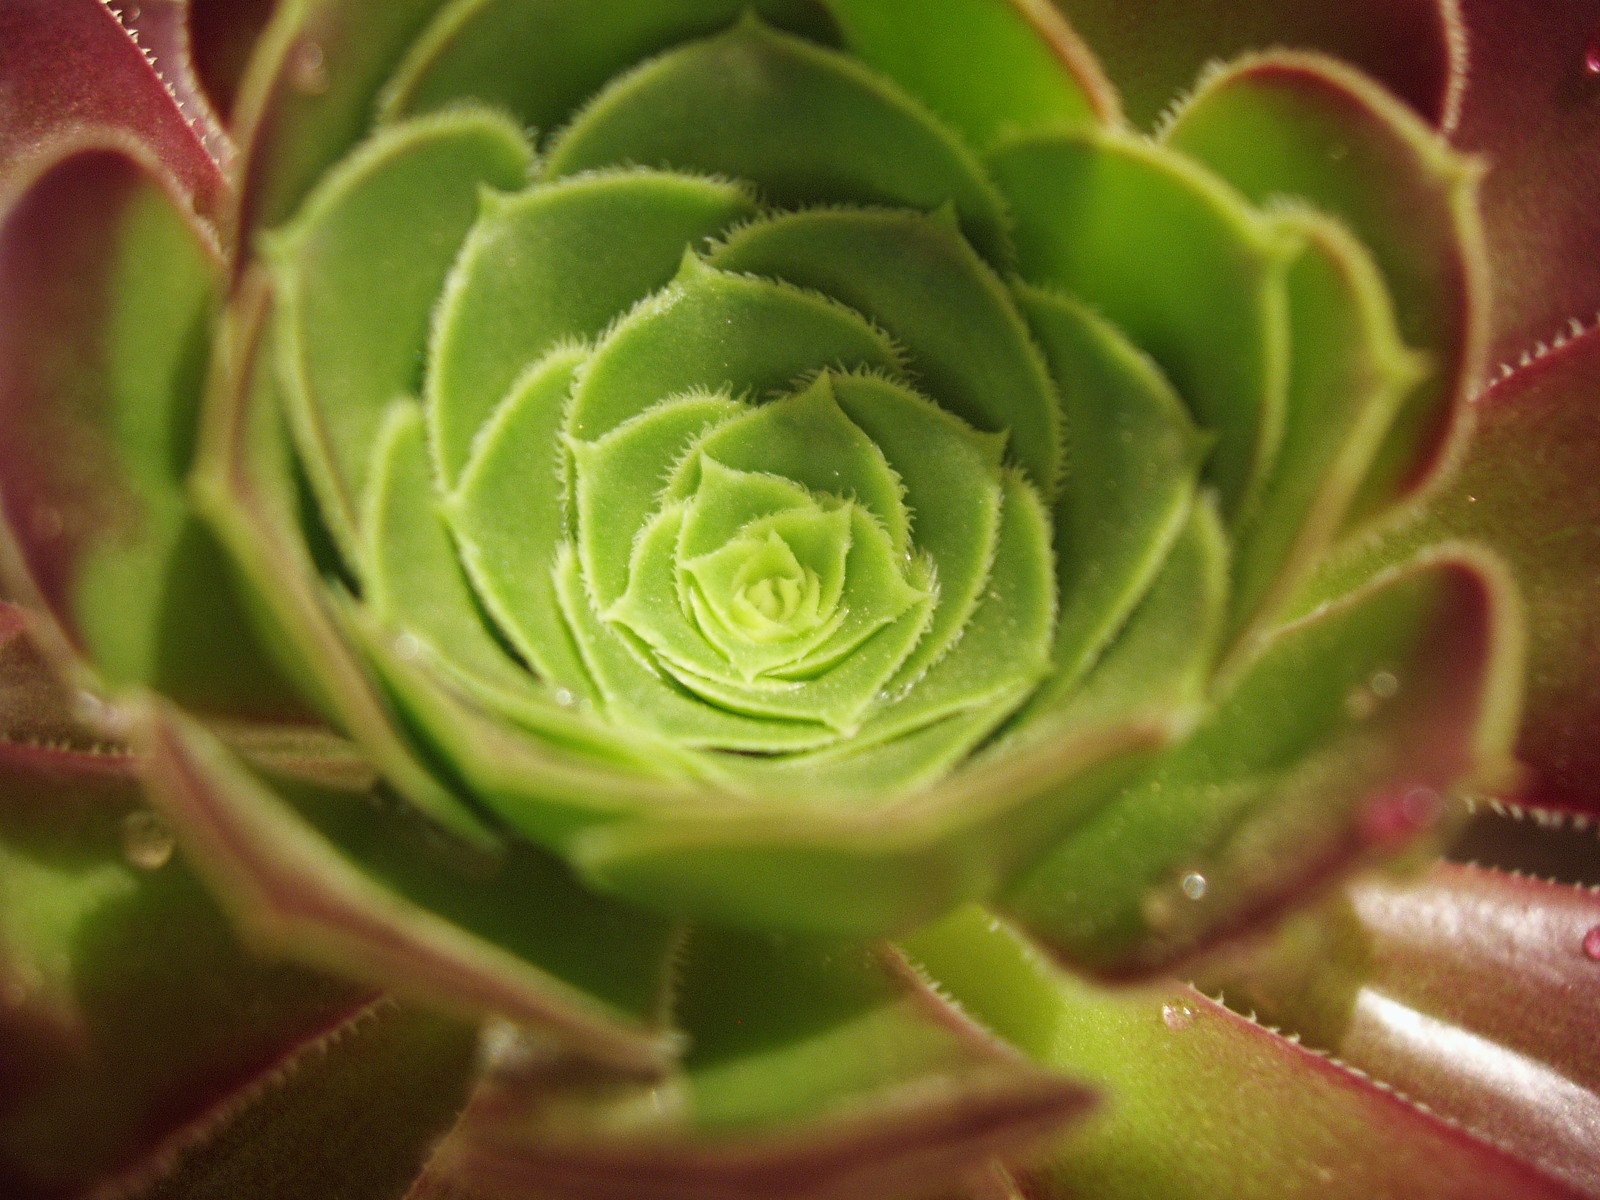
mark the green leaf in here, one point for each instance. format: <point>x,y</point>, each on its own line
<point>557,262</point>
<point>1331,749</point>
<point>816,1071</point>
<point>1167,650</point>
<point>539,59</point>
<point>807,438</point>
<point>636,693</point>
<point>247,485</point>
<point>915,277</point>
<point>133,1022</point>
<point>954,491</point>
<point>803,124</point>
<point>618,480</point>
<point>1307,126</point>
<point>306,97</point>
<point>357,275</point>
<point>1349,375</point>
<point>1003,650</point>
<point>716,331</point>
<point>860,864</point>
<point>333,879</point>
<point>888,604</point>
<point>411,576</point>
<point>1133,458</point>
<point>107,291</point>
<point>507,519</point>
<point>1178,261</point>
<point>1036,74</point>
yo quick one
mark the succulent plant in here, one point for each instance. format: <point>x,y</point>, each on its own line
<point>798,598</point>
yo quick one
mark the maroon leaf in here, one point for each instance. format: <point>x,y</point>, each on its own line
<point>222,34</point>
<point>1470,990</point>
<point>1530,489</point>
<point>69,66</point>
<point>161,30</point>
<point>1532,107</point>
<point>106,286</point>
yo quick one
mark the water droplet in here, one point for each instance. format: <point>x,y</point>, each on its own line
<point>147,843</point>
<point>1591,943</point>
<point>1383,684</point>
<point>1177,1016</point>
<point>1338,152</point>
<point>1193,885</point>
<point>1360,703</point>
<point>408,646</point>
<point>565,698</point>
<point>308,70</point>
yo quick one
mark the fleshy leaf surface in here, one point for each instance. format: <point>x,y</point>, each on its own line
<point>71,68</point>
<point>816,1072</point>
<point>1093,211</point>
<point>1208,1102</point>
<point>1296,776</point>
<point>1037,73</point>
<point>1469,990</point>
<point>106,298</point>
<point>1413,47</point>
<point>334,879</point>
<point>1528,489</point>
<point>1529,107</point>
<point>1310,127</point>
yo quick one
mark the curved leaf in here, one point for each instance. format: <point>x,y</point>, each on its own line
<point>332,879</point>
<point>71,69</point>
<point>1207,1102</point>
<point>1413,47</point>
<point>1469,990</point>
<point>134,1025</point>
<point>1529,108</point>
<point>106,297</point>
<point>1307,126</point>
<point>816,1073</point>
<point>1036,73</point>
<point>1296,777</point>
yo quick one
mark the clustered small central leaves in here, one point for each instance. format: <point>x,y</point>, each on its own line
<point>749,452</point>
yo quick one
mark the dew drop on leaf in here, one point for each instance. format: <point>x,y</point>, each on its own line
<point>1193,885</point>
<point>1384,684</point>
<point>308,71</point>
<point>147,843</point>
<point>1591,943</point>
<point>1177,1016</point>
